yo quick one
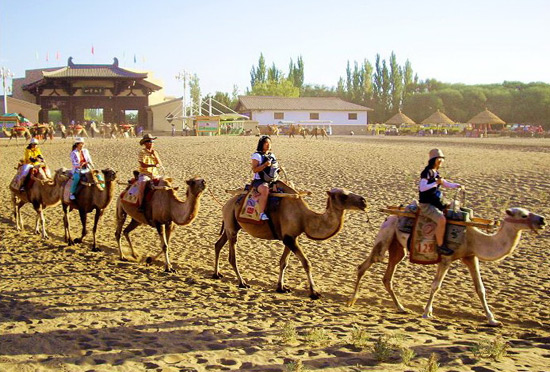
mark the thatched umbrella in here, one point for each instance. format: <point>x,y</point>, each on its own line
<point>438,118</point>
<point>399,118</point>
<point>485,119</point>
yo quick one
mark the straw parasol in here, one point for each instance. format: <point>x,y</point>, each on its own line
<point>399,118</point>
<point>437,118</point>
<point>485,119</point>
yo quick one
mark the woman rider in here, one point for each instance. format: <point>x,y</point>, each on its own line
<point>431,199</point>
<point>82,163</point>
<point>32,158</point>
<point>261,160</point>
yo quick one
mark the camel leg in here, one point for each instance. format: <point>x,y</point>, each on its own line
<point>66,226</point>
<point>292,244</point>
<point>98,214</point>
<point>16,207</point>
<point>41,220</point>
<point>283,263</point>
<point>83,215</point>
<point>217,249</point>
<point>473,266</point>
<point>362,269</point>
<point>396,254</point>
<point>161,230</point>
<point>233,260</point>
<point>131,226</point>
<point>442,269</point>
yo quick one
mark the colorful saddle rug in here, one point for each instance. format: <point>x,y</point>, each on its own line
<point>249,208</point>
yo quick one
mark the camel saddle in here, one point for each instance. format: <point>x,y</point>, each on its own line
<point>249,206</point>
<point>131,195</point>
<point>30,179</point>
<point>422,244</point>
<point>92,178</point>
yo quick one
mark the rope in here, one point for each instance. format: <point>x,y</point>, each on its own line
<point>214,197</point>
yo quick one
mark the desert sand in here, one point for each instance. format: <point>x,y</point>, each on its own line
<point>68,309</point>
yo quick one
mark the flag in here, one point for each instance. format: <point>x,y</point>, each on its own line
<point>57,56</point>
<point>135,58</point>
<point>47,56</point>
<point>92,50</point>
<point>36,56</point>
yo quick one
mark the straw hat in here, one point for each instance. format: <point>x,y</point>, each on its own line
<point>78,140</point>
<point>436,153</point>
<point>146,138</point>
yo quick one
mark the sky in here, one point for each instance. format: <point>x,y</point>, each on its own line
<point>467,41</point>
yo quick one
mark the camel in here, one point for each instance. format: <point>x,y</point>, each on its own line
<point>40,131</point>
<point>273,130</point>
<point>16,132</point>
<point>126,130</point>
<point>89,198</point>
<point>319,132</point>
<point>292,130</point>
<point>44,193</point>
<point>63,130</point>
<point>163,211</point>
<point>289,220</point>
<point>477,246</point>
<point>77,130</point>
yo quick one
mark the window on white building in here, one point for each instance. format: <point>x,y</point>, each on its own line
<point>279,115</point>
<point>352,116</point>
<point>313,116</point>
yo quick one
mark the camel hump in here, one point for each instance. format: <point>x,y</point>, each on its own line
<point>285,188</point>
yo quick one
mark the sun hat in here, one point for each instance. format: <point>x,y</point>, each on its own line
<point>436,153</point>
<point>33,141</point>
<point>147,138</point>
<point>78,140</point>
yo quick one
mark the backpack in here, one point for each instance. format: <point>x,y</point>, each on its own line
<point>270,174</point>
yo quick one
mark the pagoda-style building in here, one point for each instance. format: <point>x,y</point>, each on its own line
<point>69,91</point>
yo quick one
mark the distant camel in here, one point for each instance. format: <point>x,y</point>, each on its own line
<point>163,211</point>
<point>88,199</point>
<point>290,219</point>
<point>43,193</point>
<point>477,246</point>
<point>272,130</point>
<point>127,130</point>
<point>77,130</point>
<point>16,132</point>
<point>319,132</point>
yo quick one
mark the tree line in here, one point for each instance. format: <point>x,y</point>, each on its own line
<point>387,87</point>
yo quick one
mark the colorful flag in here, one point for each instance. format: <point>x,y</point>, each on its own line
<point>36,55</point>
<point>92,50</point>
<point>47,56</point>
<point>135,58</point>
<point>57,56</point>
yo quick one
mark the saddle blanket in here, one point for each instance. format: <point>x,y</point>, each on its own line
<point>131,195</point>
<point>249,211</point>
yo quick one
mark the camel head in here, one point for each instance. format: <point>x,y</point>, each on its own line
<point>525,219</point>
<point>110,174</point>
<point>343,199</point>
<point>196,185</point>
<point>62,174</point>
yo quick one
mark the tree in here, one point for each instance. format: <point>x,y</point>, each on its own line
<point>396,85</point>
<point>258,74</point>
<point>195,90</point>
<point>282,88</point>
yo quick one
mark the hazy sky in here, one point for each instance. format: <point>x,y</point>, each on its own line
<point>467,41</point>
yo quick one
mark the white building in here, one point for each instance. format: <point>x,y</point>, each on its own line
<point>341,116</point>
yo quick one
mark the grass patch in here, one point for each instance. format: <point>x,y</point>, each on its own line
<point>289,335</point>
<point>294,366</point>
<point>359,337</point>
<point>317,337</point>
<point>431,364</point>
<point>495,349</point>
<point>407,355</point>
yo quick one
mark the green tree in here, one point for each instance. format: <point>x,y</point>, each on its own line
<point>258,74</point>
<point>195,91</point>
<point>396,85</point>
<point>282,88</point>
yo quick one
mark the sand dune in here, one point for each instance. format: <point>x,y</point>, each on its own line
<point>68,309</point>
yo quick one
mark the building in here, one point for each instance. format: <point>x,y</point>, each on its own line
<point>77,93</point>
<point>341,116</point>
<point>18,106</point>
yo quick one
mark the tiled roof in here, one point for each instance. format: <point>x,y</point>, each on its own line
<point>93,71</point>
<point>297,104</point>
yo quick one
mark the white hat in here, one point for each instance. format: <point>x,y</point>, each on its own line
<point>78,140</point>
<point>33,141</point>
<point>436,153</point>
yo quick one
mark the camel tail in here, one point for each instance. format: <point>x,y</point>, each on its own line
<point>222,228</point>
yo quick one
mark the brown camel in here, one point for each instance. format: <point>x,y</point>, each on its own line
<point>89,198</point>
<point>289,220</point>
<point>273,130</point>
<point>126,130</point>
<point>163,211</point>
<point>16,132</point>
<point>477,246</point>
<point>44,193</point>
<point>77,131</point>
<point>319,132</point>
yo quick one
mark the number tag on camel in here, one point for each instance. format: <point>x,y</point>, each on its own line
<point>422,244</point>
<point>249,209</point>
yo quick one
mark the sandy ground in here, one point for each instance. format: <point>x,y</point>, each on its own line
<point>69,309</point>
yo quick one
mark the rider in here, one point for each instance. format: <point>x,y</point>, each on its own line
<point>32,158</point>
<point>262,161</point>
<point>82,162</point>
<point>149,162</point>
<point>431,199</point>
